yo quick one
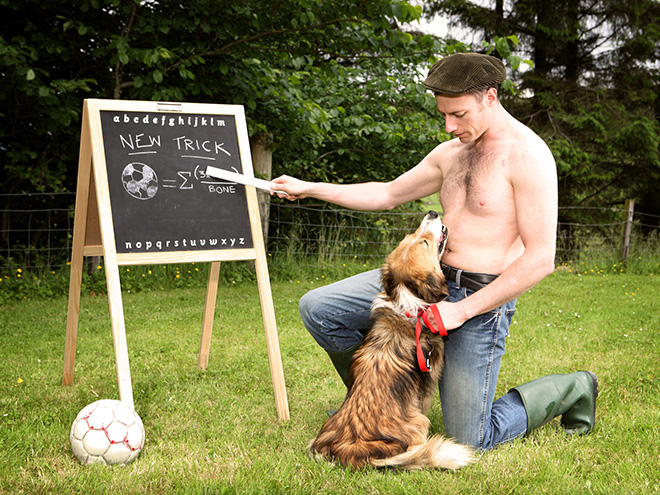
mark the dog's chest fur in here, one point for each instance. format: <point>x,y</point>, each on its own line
<point>393,334</point>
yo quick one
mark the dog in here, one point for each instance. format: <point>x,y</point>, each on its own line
<point>382,421</point>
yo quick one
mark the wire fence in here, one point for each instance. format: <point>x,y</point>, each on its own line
<point>36,230</point>
<point>36,234</point>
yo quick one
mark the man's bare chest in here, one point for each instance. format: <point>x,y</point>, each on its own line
<point>477,183</point>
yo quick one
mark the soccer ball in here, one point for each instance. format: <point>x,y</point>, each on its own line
<point>107,432</point>
<point>140,180</point>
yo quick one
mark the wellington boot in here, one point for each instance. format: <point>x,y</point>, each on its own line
<point>342,361</point>
<point>573,396</point>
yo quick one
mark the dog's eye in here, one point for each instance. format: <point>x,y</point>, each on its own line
<point>424,241</point>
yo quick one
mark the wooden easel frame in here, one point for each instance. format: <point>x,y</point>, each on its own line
<point>93,235</point>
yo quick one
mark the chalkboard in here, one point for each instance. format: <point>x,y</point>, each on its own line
<point>160,196</point>
<point>143,197</point>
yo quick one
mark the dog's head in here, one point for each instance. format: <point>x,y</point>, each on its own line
<point>411,275</point>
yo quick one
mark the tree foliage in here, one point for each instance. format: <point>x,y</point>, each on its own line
<point>336,83</point>
<point>594,90</point>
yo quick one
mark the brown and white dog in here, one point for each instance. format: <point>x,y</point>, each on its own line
<point>382,421</point>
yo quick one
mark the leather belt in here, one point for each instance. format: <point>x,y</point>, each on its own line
<point>470,280</point>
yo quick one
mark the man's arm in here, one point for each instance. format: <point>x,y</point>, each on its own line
<point>422,180</point>
<point>535,196</point>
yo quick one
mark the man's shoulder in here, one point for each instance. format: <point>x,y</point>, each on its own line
<point>529,148</point>
<point>531,161</point>
<point>446,151</point>
<point>450,144</point>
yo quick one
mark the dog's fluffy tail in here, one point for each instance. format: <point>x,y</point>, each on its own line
<point>436,452</point>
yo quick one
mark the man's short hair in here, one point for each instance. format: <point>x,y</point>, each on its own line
<point>463,73</point>
<point>480,92</point>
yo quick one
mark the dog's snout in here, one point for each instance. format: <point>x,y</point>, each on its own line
<point>432,214</point>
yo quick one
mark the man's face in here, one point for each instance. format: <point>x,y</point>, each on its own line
<point>464,116</point>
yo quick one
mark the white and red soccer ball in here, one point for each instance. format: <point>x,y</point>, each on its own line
<point>107,432</point>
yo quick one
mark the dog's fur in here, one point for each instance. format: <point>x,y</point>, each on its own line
<point>382,421</point>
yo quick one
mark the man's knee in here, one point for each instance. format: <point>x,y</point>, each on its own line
<point>308,307</point>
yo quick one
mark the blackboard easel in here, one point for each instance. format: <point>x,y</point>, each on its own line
<point>142,198</point>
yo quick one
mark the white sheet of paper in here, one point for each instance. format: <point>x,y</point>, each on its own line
<point>219,173</point>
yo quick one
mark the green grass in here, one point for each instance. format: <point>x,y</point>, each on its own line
<point>217,431</point>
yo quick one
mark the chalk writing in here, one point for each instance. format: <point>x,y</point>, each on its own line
<point>168,121</point>
<point>164,201</point>
<point>189,144</point>
<point>139,141</point>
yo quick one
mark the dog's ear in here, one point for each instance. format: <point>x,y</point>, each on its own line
<point>431,289</point>
<point>388,280</point>
<point>434,288</point>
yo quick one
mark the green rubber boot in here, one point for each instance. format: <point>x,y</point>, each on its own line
<point>342,361</point>
<point>573,396</point>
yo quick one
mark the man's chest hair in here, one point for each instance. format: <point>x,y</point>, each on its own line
<point>476,179</point>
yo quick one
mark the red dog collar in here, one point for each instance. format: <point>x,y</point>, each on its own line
<point>424,363</point>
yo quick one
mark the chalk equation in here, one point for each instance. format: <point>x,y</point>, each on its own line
<point>162,199</point>
<point>141,181</point>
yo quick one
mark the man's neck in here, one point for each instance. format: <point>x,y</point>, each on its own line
<point>497,130</point>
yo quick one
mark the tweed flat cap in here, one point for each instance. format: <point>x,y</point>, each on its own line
<point>464,72</point>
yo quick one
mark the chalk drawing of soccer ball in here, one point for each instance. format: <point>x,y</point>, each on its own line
<point>107,432</point>
<point>140,180</point>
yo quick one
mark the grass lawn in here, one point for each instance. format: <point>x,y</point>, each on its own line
<point>217,431</point>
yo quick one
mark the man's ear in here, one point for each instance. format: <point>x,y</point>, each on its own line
<point>491,96</point>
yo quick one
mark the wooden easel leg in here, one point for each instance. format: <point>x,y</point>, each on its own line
<point>77,251</point>
<point>75,284</point>
<point>119,332</point>
<point>272,339</point>
<point>209,311</point>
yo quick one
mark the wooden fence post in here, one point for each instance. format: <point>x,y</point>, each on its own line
<point>630,210</point>
<point>262,161</point>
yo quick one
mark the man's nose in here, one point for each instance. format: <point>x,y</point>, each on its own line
<point>450,125</point>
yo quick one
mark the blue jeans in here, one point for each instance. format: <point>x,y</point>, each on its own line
<point>337,316</point>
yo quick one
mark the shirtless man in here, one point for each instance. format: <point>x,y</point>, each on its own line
<point>498,189</point>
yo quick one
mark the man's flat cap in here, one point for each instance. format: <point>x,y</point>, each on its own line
<point>464,72</point>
